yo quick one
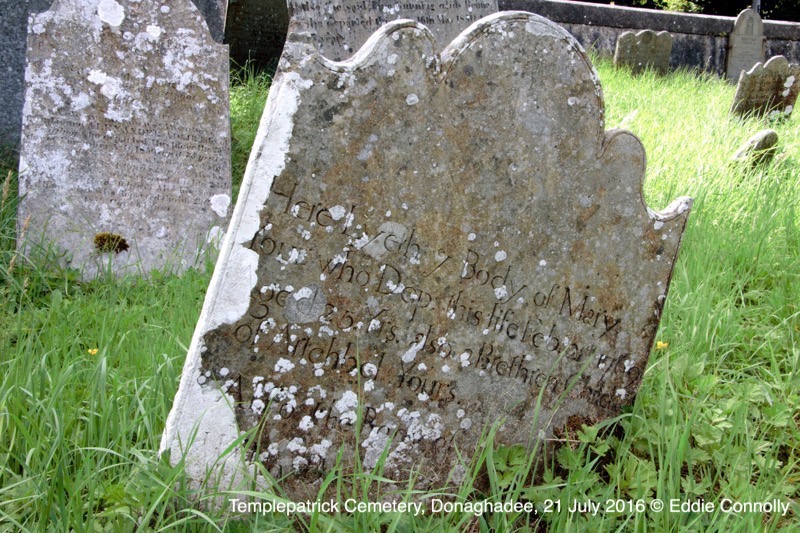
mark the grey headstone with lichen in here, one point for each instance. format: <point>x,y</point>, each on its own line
<point>769,88</point>
<point>642,50</point>
<point>125,158</point>
<point>428,244</point>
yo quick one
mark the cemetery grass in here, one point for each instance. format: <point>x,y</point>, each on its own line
<point>89,370</point>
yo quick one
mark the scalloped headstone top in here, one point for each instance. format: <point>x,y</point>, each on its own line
<point>125,160</point>
<point>745,44</point>
<point>769,88</point>
<point>434,243</point>
<point>340,27</point>
<point>644,49</point>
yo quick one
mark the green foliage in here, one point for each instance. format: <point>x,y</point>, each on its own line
<point>89,370</point>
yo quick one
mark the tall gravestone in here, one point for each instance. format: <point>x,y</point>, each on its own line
<point>642,50</point>
<point>339,28</point>
<point>214,12</point>
<point>745,44</point>
<point>427,245</point>
<point>13,26</point>
<point>769,88</point>
<point>125,159</point>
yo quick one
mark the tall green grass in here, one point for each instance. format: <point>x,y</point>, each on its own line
<point>88,370</point>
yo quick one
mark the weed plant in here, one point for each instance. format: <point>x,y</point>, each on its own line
<point>88,371</point>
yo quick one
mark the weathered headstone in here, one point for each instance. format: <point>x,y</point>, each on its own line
<point>434,244</point>
<point>341,27</point>
<point>745,44</point>
<point>758,149</point>
<point>125,160</point>
<point>214,12</point>
<point>768,88</point>
<point>13,30</point>
<point>643,50</point>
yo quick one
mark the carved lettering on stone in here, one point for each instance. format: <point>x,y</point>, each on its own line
<point>435,244</point>
<point>746,43</point>
<point>125,155</point>
<point>340,27</point>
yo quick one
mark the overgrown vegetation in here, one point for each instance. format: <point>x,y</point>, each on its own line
<point>89,370</point>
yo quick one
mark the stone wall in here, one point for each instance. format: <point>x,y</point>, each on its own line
<point>699,41</point>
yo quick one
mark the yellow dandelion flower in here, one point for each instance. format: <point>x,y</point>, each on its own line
<point>661,345</point>
<point>92,351</point>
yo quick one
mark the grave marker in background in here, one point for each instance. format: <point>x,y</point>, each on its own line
<point>768,88</point>
<point>644,49</point>
<point>214,12</point>
<point>256,30</point>
<point>13,31</point>
<point>126,146</point>
<point>746,43</point>
<point>438,245</point>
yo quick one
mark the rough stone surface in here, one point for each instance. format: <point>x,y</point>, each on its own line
<point>125,144</point>
<point>13,31</point>
<point>214,12</point>
<point>341,27</point>
<point>767,89</point>
<point>758,149</point>
<point>438,243</point>
<point>256,30</point>
<point>642,50</point>
<point>746,43</point>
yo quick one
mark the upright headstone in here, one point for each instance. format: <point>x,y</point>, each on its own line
<point>432,244</point>
<point>125,160</point>
<point>340,27</point>
<point>767,89</point>
<point>13,31</point>
<point>256,30</point>
<point>214,12</point>
<point>643,50</point>
<point>745,44</point>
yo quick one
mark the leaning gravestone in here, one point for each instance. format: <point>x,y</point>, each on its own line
<point>425,246</point>
<point>642,50</point>
<point>767,89</point>
<point>341,27</point>
<point>745,44</point>
<point>13,26</point>
<point>125,145</point>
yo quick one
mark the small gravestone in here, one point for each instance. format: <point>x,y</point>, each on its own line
<point>758,149</point>
<point>341,27</point>
<point>643,50</point>
<point>767,89</point>
<point>125,159</point>
<point>213,12</point>
<point>428,245</point>
<point>745,44</point>
<point>13,31</point>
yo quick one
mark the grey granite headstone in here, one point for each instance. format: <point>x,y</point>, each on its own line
<point>432,243</point>
<point>767,89</point>
<point>256,30</point>
<point>214,12</point>
<point>13,31</point>
<point>341,27</point>
<point>125,159</point>
<point>643,50</point>
<point>745,44</point>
